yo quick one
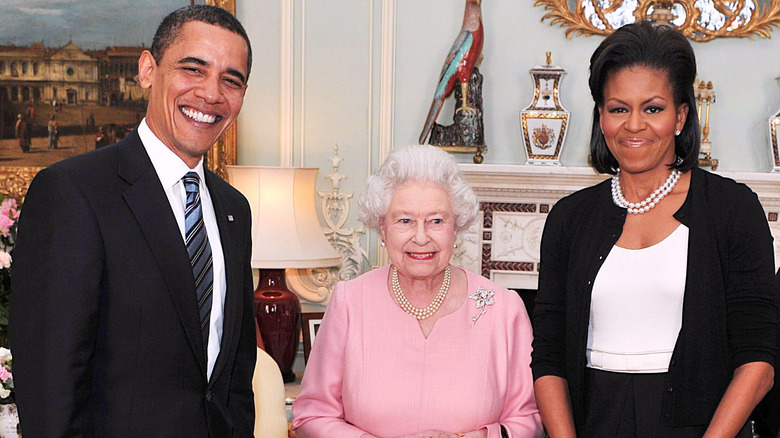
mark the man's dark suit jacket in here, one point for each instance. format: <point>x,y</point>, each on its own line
<point>104,320</point>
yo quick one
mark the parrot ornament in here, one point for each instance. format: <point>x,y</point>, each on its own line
<point>463,56</point>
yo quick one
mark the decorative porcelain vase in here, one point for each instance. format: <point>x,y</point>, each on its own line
<point>774,138</point>
<point>9,421</point>
<point>278,311</point>
<point>545,121</point>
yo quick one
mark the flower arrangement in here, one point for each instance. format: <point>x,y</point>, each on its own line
<point>6,378</point>
<point>9,215</point>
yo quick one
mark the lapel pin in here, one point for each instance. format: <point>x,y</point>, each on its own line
<point>230,218</point>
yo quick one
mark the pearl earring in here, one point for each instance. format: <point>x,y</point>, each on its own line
<point>382,243</point>
<point>454,245</point>
<point>677,132</point>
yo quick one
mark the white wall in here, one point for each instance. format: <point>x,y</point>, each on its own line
<point>336,82</point>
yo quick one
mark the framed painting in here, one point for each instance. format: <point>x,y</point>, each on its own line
<point>310,323</point>
<point>70,86</point>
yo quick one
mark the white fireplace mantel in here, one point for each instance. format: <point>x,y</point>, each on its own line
<point>515,199</point>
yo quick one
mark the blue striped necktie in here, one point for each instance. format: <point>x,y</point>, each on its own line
<point>198,247</point>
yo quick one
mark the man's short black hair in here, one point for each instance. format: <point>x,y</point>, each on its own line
<point>170,28</point>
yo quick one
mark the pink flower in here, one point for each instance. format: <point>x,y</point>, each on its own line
<point>5,374</point>
<point>8,204</point>
<point>5,260</point>
<point>8,209</point>
<point>5,225</point>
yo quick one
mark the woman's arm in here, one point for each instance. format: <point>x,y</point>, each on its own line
<point>520,414</point>
<point>549,345</point>
<point>552,397</point>
<point>751,312</point>
<point>749,385</point>
<point>318,412</point>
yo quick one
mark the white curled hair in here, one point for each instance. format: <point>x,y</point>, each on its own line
<point>419,164</point>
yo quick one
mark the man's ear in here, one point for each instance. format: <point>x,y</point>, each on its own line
<point>146,66</point>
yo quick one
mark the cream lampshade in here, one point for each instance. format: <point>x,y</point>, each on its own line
<point>286,233</point>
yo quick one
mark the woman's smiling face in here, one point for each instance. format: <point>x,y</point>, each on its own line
<point>639,119</point>
<point>419,230</point>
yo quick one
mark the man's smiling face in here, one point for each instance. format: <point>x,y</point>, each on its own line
<point>197,88</point>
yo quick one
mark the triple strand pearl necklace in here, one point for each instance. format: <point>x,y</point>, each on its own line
<point>407,307</point>
<point>649,202</point>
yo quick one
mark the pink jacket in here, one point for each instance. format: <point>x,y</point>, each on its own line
<point>372,370</point>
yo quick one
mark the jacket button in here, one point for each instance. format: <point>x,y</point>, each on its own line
<point>673,362</point>
<point>589,282</point>
<point>667,415</point>
<point>670,389</point>
<point>209,396</point>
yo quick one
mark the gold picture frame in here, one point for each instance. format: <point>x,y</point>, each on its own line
<point>580,19</point>
<point>14,180</point>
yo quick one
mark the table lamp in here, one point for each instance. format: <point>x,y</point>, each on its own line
<point>286,233</point>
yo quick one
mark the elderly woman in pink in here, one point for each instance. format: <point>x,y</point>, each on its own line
<point>419,348</point>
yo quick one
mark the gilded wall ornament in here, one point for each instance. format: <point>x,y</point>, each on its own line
<point>699,20</point>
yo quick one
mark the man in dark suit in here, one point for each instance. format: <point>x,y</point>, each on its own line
<point>131,314</point>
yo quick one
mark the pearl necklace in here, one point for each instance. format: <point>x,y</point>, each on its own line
<point>649,202</point>
<point>407,307</point>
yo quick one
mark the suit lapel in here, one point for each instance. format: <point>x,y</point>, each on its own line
<point>231,237</point>
<point>149,204</point>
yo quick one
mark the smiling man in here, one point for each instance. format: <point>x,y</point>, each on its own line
<point>132,306</point>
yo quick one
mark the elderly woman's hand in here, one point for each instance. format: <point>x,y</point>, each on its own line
<point>481,433</point>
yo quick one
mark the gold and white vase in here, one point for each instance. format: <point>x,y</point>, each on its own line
<point>774,138</point>
<point>9,421</point>
<point>545,121</point>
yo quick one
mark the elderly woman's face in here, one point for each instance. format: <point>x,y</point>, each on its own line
<point>639,119</point>
<point>419,230</point>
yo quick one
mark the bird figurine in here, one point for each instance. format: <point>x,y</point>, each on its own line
<point>463,56</point>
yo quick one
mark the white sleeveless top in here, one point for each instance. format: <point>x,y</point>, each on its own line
<point>636,306</point>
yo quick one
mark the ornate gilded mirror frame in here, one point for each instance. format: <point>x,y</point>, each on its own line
<point>696,19</point>
<point>14,180</point>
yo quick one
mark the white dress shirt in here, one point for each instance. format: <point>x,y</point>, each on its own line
<point>171,169</point>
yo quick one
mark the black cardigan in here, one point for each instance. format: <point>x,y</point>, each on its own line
<point>729,312</point>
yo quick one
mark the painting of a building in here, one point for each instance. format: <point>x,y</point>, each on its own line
<point>70,75</point>
<point>34,74</point>
<point>118,73</point>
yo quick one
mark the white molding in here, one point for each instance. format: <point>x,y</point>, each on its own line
<point>313,286</point>
<point>387,79</point>
<point>370,103</point>
<point>303,84</point>
<point>387,90</point>
<point>286,66</point>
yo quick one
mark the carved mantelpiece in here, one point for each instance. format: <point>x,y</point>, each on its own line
<point>514,201</point>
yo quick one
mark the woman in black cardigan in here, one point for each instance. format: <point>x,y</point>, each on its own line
<point>655,315</point>
<point>767,414</point>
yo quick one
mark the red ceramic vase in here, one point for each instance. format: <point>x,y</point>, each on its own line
<point>278,311</point>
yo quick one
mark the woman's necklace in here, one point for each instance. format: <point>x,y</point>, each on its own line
<point>649,202</point>
<point>414,311</point>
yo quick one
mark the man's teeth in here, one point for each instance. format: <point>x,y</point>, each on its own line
<point>198,116</point>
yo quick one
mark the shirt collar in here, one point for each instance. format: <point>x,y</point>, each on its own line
<point>169,167</point>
